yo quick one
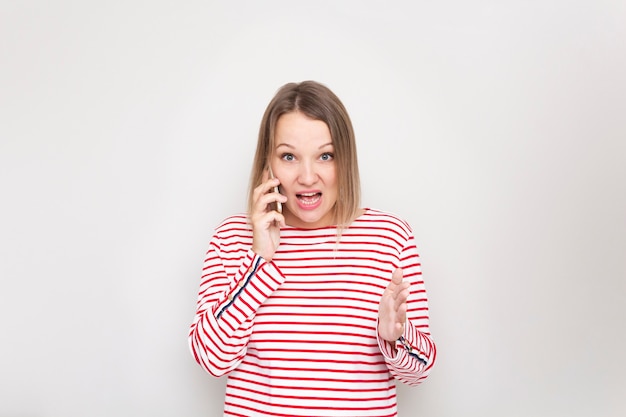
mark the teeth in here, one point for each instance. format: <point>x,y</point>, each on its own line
<point>309,198</point>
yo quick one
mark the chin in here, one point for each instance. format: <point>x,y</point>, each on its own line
<point>313,219</point>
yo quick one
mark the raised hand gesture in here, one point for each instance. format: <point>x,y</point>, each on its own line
<point>392,308</point>
<point>266,221</point>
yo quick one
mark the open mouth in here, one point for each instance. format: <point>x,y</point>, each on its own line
<point>309,199</point>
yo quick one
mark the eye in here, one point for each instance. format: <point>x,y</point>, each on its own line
<point>327,156</point>
<point>287,157</point>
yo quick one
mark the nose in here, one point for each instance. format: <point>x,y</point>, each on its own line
<point>307,174</point>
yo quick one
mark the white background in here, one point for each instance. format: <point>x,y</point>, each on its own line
<point>496,128</point>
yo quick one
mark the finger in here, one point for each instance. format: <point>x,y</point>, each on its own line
<point>271,218</point>
<point>266,184</point>
<point>400,324</point>
<point>262,192</point>
<point>265,200</point>
<point>400,299</point>
<point>267,181</point>
<point>396,277</point>
<point>401,314</point>
<point>399,289</point>
<point>278,218</point>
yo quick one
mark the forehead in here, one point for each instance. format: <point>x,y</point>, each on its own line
<point>297,129</point>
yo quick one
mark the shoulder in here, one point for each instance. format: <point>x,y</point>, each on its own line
<point>233,226</point>
<point>385,220</point>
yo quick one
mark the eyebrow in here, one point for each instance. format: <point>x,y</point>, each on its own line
<point>291,147</point>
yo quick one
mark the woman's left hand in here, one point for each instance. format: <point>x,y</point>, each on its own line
<point>392,308</point>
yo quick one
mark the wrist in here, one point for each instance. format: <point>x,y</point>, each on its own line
<point>263,254</point>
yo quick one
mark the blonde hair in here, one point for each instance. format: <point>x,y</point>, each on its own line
<point>317,102</point>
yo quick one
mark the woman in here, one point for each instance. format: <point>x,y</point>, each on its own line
<point>310,304</point>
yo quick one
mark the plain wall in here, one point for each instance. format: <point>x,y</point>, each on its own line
<point>496,128</point>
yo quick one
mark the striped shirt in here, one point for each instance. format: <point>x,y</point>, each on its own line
<point>297,336</point>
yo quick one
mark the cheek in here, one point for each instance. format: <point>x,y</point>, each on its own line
<point>284,175</point>
<point>332,176</point>
<point>286,183</point>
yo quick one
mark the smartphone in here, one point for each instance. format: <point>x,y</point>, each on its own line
<point>279,205</point>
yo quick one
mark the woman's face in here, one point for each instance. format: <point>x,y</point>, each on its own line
<point>304,163</point>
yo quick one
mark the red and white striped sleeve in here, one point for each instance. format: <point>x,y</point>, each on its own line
<point>412,356</point>
<point>226,308</point>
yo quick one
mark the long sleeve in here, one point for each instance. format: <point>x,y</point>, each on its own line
<point>227,305</point>
<point>411,358</point>
<point>297,335</point>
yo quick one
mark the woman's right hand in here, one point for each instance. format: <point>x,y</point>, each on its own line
<point>266,222</point>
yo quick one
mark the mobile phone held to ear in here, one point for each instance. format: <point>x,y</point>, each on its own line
<point>279,205</point>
